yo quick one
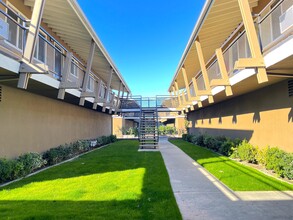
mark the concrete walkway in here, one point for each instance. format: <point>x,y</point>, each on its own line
<point>200,196</point>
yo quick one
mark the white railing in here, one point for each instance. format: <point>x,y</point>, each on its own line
<point>200,82</point>
<point>238,49</point>
<point>214,71</point>
<point>274,21</point>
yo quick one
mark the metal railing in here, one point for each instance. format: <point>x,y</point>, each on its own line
<point>271,21</point>
<point>15,27</point>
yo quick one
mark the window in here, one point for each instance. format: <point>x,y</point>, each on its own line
<point>74,67</point>
<point>90,84</point>
<point>16,33</point>
<point>58,62</point>
<point>40,50</point>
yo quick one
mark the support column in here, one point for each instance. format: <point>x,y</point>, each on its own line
<point>178,94</point>
<point>204,72</point>
<point>65,73</point>
<point>108,89</point>
<point>118,97</point>
<point>98,91</point>
<point>112,102</point>
<point>194,83</point>
<point>257,60</point>
<point>31,41</point>
<point>187,88</point>
<point>84,94</point>
<point>223,70</point>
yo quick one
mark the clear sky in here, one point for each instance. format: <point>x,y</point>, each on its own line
<point>145,38</point>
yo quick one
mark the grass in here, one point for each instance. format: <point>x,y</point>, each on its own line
<point>233,174</point>
<point>116,182</point>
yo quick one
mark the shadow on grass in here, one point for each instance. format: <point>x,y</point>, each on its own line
<point>155,202</point>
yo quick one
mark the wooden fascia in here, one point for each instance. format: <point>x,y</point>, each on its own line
<point>257,60</point>
<point>224,81</point>
<point>204,72</point>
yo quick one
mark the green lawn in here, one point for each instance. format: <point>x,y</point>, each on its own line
<point>233,174</point>
<point>116,182</point>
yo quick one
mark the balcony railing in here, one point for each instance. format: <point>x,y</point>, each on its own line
<point>13,29</point>
<point>274,20</point>
<point>48,51</point>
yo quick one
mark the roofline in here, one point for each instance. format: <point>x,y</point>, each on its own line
<point>79,12</point>
<point>197,27</point>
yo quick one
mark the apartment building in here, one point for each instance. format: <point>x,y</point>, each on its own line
<point>235,77</point>
<point>58,84</point>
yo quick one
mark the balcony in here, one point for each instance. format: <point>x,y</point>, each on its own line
<point>49,62</point>
<point>275,25</point>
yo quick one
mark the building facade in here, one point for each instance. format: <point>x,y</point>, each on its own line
<point>235,77</point>
<point>58,84</point>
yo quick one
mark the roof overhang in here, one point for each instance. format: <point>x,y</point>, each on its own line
<point>67,20</point>
<point>217,20</point>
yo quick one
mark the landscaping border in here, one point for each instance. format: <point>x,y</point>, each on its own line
<point>49,167</point>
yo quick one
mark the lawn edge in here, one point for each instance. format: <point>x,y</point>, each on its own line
<point>237,162</point>
<point>55,165</point>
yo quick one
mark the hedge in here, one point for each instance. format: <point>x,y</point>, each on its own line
<point>272,158</point>
<point>11,169</point>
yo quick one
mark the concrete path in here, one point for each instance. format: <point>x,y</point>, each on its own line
<point>200,196</point>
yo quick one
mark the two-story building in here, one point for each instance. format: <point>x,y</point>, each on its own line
<point>235,77</point>
<point>58,84</point>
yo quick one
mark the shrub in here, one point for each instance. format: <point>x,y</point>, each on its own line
<point>246,152</point>
<point>287,165</point>
<point>99,141</point>
<point>280,162</point>
<point>30,162</point>
<point>113,138</point>
<point>6,170</point>
<point>226,147</point>
<point>184,137</point>
<point>105,140</point>
<point>211,143</point>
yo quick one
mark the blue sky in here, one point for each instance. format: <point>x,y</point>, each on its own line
<point>145,38</point>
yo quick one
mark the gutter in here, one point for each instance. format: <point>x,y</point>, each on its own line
<point>206,8</point>
<point>74,5</point>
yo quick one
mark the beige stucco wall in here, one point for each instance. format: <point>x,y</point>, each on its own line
<point>119,123</point>
<point>29,122</point>
<point>180,125</point>
<point>264,117</point>
<point>117,126</point>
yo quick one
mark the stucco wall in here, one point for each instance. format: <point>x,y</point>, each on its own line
<point>264,117</point>
<point>29,122</point>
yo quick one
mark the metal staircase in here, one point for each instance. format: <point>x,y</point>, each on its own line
<point>148,128</point>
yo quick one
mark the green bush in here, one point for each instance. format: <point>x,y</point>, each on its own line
<point>20,167</point>
<point>113,138</point>
<point>226,147</point>
<point>211,143</point>
<point>30,162</point>
<point>99,141</point>
<point>184,137</point>
<point>6,169</point>
<point>272,158</point>
<point>246,152</point>
<point>280,162</point>
<point>165,130</point>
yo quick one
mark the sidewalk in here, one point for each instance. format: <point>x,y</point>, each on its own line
<point>200,196</point>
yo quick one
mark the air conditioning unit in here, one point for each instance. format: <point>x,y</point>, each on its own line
<point>4,27</point>
<point>286,20</point>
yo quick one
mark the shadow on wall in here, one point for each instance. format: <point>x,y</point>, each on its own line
<point>231,133</point>
<point>256,117</point>
<point>290,116</point>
